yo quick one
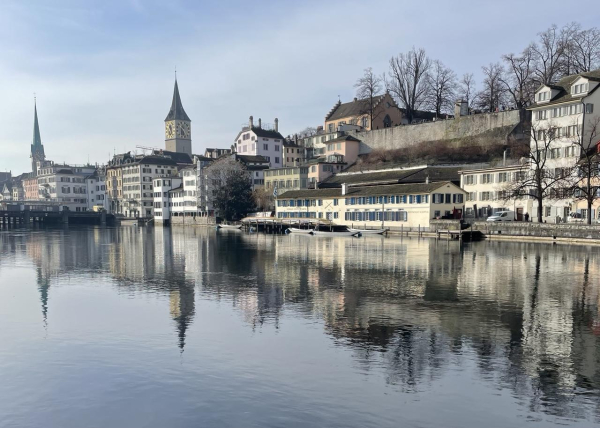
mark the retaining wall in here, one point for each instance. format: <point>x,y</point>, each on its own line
<point>463,126</point>
<point>540,230</point>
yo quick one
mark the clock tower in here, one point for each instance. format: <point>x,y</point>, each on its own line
<point>178,127</point>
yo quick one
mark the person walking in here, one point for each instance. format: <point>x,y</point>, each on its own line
<point>526,217</point>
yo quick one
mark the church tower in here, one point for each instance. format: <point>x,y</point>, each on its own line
<point>37,149</point>
<point>178,127</point>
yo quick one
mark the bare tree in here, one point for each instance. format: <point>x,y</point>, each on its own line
<point>309,131</point>
<point>491,96</point>
<point>518,77</point>
<point>536,179</point>
<point>441,82</point>
<point>467,88</point>
<point>408,80</point>
<point>368,87</point>
<point>585,48</point>
<point>548,53</point>
<point>587,182</point>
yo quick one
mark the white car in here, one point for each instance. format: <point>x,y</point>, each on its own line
<point>575,218</point>
<point>502,216</point>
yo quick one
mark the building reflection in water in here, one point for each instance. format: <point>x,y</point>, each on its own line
<point>529,312</point>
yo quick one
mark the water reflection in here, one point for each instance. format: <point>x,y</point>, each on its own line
<point>526,315</point>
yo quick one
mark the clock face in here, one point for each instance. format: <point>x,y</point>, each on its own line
<point>183,130</point>
<point>169,130</point>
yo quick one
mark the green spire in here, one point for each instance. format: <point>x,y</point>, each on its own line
<point>37,140</point>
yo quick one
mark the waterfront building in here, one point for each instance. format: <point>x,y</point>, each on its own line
<point>486,191</point>
<point>288,178</point>
<point>564,114</point>
<point>395,205</point>
<point>178,126</point>
<point>30,187</point>
<point>163,203</point>
<point>114,181</point>
<point>96,190</point>
<point>65,184</point>
<point>18,192</point>
<point>137,177</point>
<point>261,140</point>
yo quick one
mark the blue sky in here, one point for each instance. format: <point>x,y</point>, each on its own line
<point>103,70</point>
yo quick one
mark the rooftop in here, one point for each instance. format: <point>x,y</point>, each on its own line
<point>390,189</point>
<point>418,174</point>
<point>564,88</point>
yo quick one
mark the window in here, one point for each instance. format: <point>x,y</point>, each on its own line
<point>276,147</point>
<point>365,122</point>
<point>589,108</point>
<point>547,211</point>
<point>487,178</point>
<point>472,196</point>
<point>265,146</point>
<point>330,127</point>
<point>485,196</point>
<point>579,89</point>
<point>276,160</point>
<point>470,179</point>
<point>502,177</point>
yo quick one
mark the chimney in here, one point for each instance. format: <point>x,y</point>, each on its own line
<point>251,122</point>
<point>344,189</point>
<point>355,99</point>
<point>259,123</point>
<point>276,125</point>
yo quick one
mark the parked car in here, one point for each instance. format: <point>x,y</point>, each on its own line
<point>575,218</point>
<point>502,216</point>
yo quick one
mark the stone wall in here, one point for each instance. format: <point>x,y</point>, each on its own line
<point>544,230</point>
<point>193,221</point>
<point>449,129</point>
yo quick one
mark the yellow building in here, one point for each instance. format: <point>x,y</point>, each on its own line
<point>395,205</point>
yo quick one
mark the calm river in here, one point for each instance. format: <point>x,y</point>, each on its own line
<point>152,327</point>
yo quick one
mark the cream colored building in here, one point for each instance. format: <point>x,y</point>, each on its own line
<point>485,189</point>
<point>396,205</point>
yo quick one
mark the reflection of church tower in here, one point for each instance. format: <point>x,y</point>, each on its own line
<point>43,287</point>
<point>37,149</point>
<point>178,131</point>
<point>182,308</point>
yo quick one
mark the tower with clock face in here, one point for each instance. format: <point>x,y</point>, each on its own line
<point>178,127</point>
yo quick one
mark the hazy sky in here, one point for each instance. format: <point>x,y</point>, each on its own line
<point>103,70</point>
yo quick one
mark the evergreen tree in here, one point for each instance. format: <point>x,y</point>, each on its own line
<point>234,198</point>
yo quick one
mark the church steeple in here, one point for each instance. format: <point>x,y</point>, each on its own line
<point>178,126</point>
<point>177,112</point>
<point>37,148</point>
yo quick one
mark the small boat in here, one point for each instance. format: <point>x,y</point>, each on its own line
<point>369,231</point>
<point>296,230</point>
<point>229,226</point>
<point>341,233</point>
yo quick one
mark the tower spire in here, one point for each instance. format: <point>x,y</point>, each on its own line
<point>37,139</point>
<point>177,112</point>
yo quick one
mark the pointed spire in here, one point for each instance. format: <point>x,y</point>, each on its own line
<point>37,139</point>
<point>177,112</point>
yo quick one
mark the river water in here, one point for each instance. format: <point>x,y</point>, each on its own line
<point>153,327</point>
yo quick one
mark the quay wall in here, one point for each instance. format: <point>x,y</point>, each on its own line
<point>539,230</point>
<point>448,129</point>
<point>191,221</point>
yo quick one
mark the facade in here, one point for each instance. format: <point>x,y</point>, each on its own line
<point>346,146</point>
<point>289,178</point>
<point>259,141</point>
<point>163,203</point>
<point>137,178</point>
<point>563,115</point>
<point>294,153</point>
<point>396,205</point>
<point>322,168</point>
<point>256,167</point>
<point>65,184</point>
<point>486,189</point>
<point>31,188</point>
<point>214,153</point>
<point>178,127</point>
<point>96,191</point>
<point>114,181</point>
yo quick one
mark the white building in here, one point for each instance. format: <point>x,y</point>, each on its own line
<point>65,184</point>
<point>567,111</point>
<point>162,202</point>
<point>96,191</point>
<point>486,192</point>
<point>261,141</point>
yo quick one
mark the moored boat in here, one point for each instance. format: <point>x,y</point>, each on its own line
<point>229,226</point>
<point>297,230</point>
<point>341,233</point>
<point>369,231</point>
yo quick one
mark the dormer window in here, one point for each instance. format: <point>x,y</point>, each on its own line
<point>543,96</point>
<point>581,88</point>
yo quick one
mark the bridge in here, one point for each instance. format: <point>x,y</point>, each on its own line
<point>25,217</point>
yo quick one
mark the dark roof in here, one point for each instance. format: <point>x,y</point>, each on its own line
<point>178,157</point>
<point>390,189</point>
<point>414,175</point>
<point>343,138</point>
<point>152,159</point>
<point>564,88</point>
<point>37,139</point>
<point>353,108</point>
<point>177,112</point>
<point>177,188</point>
<point>323,159</point>
<point>252,158</point>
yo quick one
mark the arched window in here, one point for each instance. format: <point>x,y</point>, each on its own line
<point>387,121</point>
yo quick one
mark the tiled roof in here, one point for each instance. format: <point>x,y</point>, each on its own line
<point>564,87</point>
<point>353,108</point>
<point>391,189</point>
